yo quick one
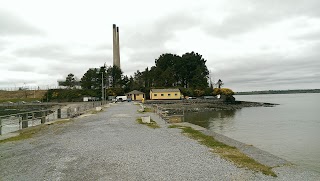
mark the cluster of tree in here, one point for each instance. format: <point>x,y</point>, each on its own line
<point>170,70</point>
<point>106,78</point>
<point>188,72</point>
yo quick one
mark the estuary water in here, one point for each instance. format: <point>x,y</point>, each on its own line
<point>290,130</point>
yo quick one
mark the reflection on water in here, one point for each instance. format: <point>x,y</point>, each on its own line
<point>222,118</point>
<point>289,130</point>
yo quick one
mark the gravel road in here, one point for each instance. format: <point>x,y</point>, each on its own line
<point>111,145</point>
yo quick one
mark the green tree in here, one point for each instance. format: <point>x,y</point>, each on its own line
<point>115,75</point>
<point>197,71</point>
<point>90,79</point>
<point>188,71</point>
<point>70,81</point>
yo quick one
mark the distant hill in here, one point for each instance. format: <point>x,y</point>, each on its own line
<point>21,95</point>
<point>280,92</point>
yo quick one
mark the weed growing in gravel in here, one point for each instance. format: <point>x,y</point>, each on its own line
<point>175,126</point>
<point>146,109</point>
<point>152,123</point>
<point>228,152</point>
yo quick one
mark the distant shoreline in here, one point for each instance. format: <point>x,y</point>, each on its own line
<point>298,91</point>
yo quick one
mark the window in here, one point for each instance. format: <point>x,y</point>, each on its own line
<point>155,95</point>
<point>162,94</point>
<point>175,94</point>
<point>169,95</point>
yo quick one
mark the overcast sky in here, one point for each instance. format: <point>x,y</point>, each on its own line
<point>249,44</point>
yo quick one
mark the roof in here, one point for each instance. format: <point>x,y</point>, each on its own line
<point>164,90</point>
<point>135,92</point>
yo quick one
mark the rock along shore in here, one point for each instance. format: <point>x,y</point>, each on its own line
<point>196,105</point>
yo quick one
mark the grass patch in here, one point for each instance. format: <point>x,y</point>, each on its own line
<point>152,123</point>
<point>28,100</point>
<point>29,132</point>
<point>148,109</point>
<point>175,126</point>
<point>25,133</point>
<point>228,152</point>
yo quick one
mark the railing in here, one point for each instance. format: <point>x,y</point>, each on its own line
<point>170,115</point>
<point>14,122</point>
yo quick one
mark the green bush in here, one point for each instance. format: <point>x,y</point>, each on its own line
<point>223,91</point>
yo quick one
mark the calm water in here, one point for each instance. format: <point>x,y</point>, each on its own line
<point>290,130</point>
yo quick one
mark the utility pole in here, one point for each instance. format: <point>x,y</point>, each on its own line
<point>102,86</point>
<point>47,93</point>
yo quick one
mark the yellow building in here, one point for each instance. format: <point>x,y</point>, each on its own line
<point>159,94</point>
<point>136,95</point>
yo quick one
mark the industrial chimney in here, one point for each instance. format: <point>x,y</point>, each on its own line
<point>116,46</point>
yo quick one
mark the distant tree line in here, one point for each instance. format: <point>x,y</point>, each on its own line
<point>280,92</point>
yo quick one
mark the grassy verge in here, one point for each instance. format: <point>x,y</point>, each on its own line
<point>228,152</point>
<point>32,131</point>
<point>152,123</point>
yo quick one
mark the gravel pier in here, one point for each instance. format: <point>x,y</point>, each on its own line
<point>111,145</point>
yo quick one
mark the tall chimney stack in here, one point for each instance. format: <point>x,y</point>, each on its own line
<point>116,46</point>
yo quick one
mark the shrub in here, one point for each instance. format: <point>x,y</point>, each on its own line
<point>223,91</point>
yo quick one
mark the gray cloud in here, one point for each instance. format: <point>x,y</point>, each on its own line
<point>57,60</point>
<point>21,67</point>
<point>63,54</point>
<point>272,73</point>
<point>3,45</point>
<point>155,34</point>
<point>140,60</point>
<point>254,14</point>
<point>310,36</point>
<point>90,58</point>
<point>43,51</point>
<point>103,47</point>
<point>143,42</point>
<point>289,7</point>
<point>148,41</point>
<point>13,25</point>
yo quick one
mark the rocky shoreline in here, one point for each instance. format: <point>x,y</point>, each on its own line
<point>198,105</point>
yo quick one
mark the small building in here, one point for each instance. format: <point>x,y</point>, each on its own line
<point>136,95</point>
<point>163,94</point>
